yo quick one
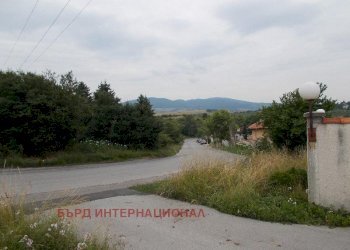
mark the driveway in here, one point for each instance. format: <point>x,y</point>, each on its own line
<point>213,231</point>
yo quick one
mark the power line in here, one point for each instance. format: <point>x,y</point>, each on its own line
<point>65,28</point>
<point>43,36</point>
<point>21,32</point>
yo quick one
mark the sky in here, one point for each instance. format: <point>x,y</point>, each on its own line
<point>252,50</point>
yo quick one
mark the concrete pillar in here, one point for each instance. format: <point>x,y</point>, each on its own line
<point>329,162</point>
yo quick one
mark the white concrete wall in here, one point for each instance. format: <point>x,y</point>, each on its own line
<point>329,166</point>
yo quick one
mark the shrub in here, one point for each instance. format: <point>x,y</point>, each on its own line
<point>291,178</point>
<point>263,145</point>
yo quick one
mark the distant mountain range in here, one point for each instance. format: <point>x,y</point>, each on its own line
<point>215,103</point>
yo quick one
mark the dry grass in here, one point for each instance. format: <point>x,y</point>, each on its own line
<point>250,174</point>
<point>25,226</point>
<point>268,186</point>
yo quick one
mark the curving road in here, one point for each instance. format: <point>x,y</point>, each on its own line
<point>106,185</point>
<point>53,182</point>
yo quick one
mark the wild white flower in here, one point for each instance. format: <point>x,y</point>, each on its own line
<point>5,248</point>
<point>87,237</point>
<point>81,246</point>
<point>34,225</point>
<point>330,211</point>
<point>25,238</point>
<point>294,203</point>
<point>49,229</point>
<point>36,209</point>
<point>289,188</point>
<point>48,235</point>
<point>65,223</point>
<point>62,232</point>
<point>29,242</point>
<point>54,225</point>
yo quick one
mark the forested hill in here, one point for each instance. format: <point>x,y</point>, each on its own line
<point>204,104</point>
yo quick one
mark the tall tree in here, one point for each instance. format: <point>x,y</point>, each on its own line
<point>220,125</point>
<point>106,108</point>
<point>190,126</point>
<point>285,122</point>
<point>36,115</point>
<point>136,127</point>
<point>148,127</point>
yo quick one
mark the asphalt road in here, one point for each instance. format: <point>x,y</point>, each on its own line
<point>54,182</point>
<point>106,186</point>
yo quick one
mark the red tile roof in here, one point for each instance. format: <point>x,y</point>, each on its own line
<point>257,125</point>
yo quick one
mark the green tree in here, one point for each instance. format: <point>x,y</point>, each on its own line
<point>81,101</point>
<point>285,122</point>
<point>190,126</point>
<point>36,115</point>
<point>172,129</point>
<point>123,124</point>
<point>105,108</point>
<point>147,127</point>
<point>136,126</point>
<point>220,125</point>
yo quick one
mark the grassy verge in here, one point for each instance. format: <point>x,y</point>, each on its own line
<point>37,231</point>
<point>239,149</point>
<point>89,152</point>
<point>267,186</point>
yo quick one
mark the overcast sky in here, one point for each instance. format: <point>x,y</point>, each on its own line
<point>250,50</point>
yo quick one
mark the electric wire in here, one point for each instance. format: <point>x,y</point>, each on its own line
<point>43,36</point>
<point>21,32</point>
<point>63,30</point>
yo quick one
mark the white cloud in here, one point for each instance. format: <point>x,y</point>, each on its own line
<point>252,50</point>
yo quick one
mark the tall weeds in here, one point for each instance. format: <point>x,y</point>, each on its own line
<point>38,229</point>
<point>269,186</point>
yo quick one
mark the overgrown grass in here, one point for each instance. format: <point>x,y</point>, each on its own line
<point>40,231</point>
<point>268,186</point>
<point>89,152</point>
<point>239,149</point>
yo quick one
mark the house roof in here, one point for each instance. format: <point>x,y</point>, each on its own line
<point>257,125</point>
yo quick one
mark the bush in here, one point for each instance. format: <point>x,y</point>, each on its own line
<point>263,145</point>
<point>164,140</point>
<point>285,122</point>
<point>291,178</point>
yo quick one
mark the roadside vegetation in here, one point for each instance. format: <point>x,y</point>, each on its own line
<point>52,120</point>
<point>90,152</point>
<point>269,186</point>
<point>271,183</point>
<point>40,231</point>
<point>285,121</point>
<point>240,149</point>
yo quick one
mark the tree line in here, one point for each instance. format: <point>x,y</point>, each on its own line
<point>41,113</point>
<point>284,121</point>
